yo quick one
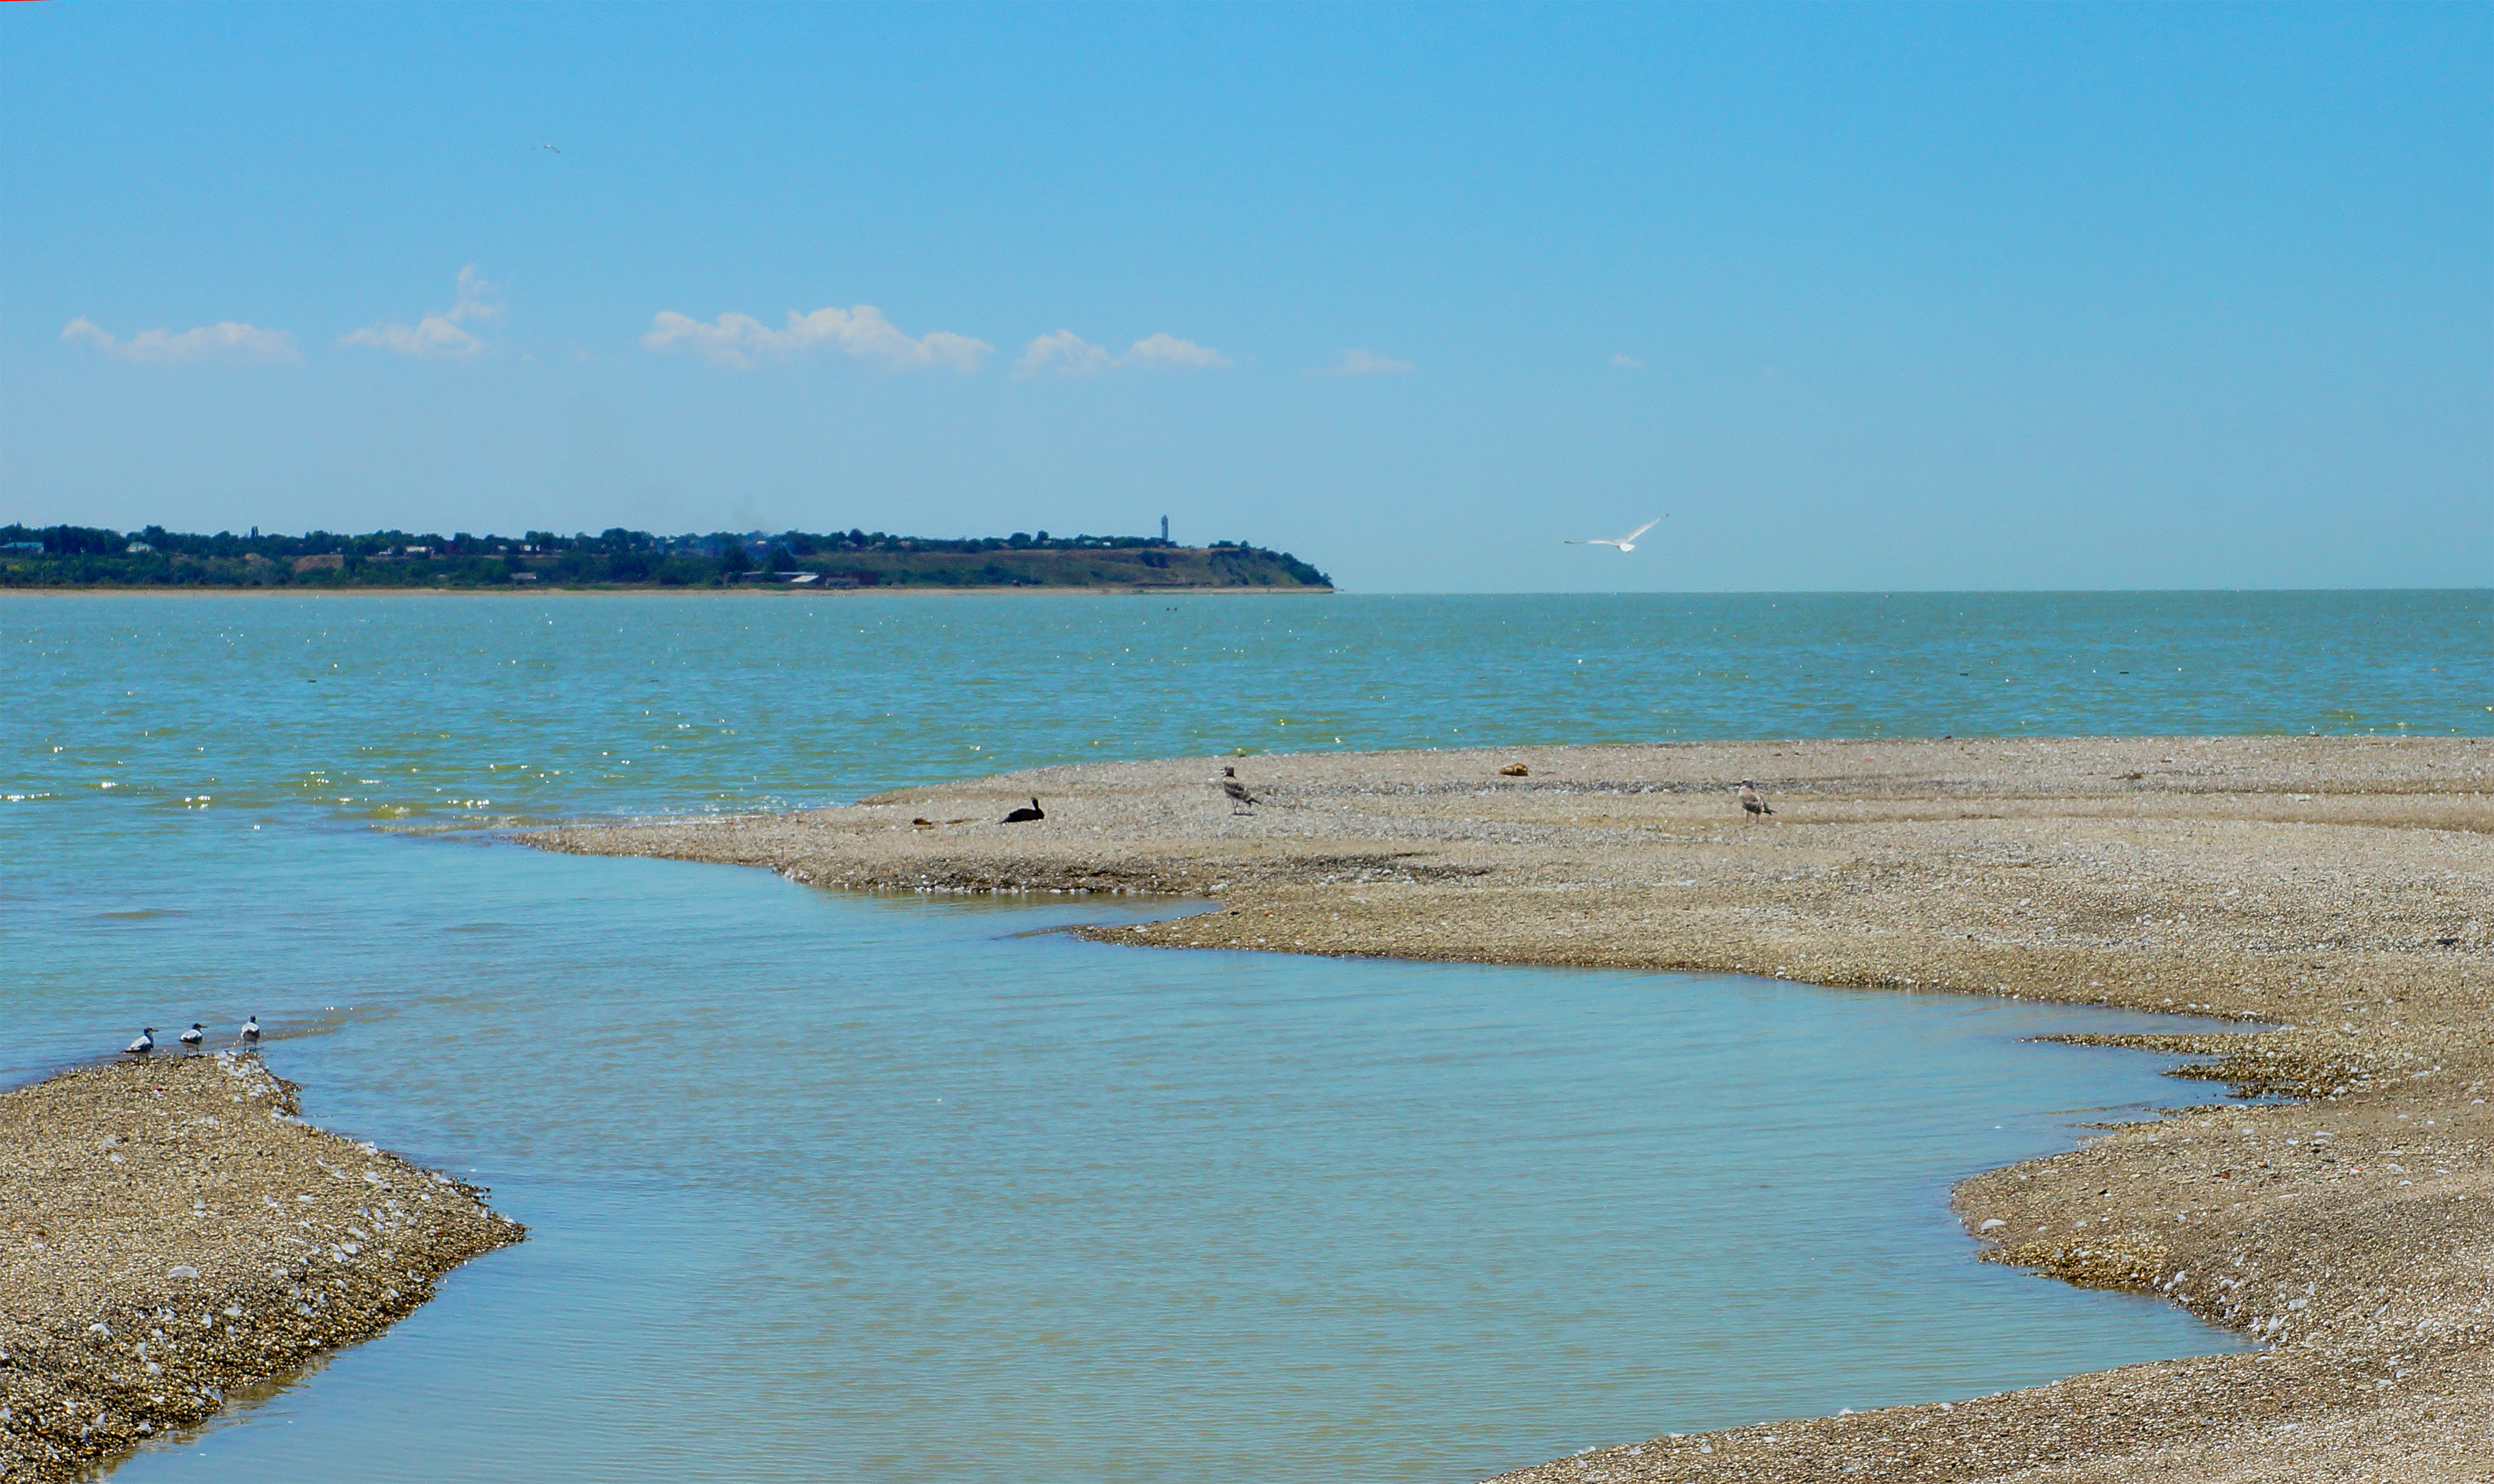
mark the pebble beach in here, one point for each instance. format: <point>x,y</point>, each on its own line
<point>2328,893</point>
<point>173,1232</point>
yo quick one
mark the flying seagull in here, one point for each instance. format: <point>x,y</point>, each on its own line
<point>549,146</point>
<point>145,1043</point>
<point>1236,790</point>
<point>195,1034</point>
<point>1750,800</point>
<point>1625,543</point>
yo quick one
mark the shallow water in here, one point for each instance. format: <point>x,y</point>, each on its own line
<point>824,1186</point>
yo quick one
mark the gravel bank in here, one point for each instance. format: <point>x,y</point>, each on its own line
<point>172,1230</point>
<point>2340,889</point>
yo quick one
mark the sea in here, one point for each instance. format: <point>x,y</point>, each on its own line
<point>921,1189</point>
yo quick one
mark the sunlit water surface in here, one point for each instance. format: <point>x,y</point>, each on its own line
<point>826,1187</point>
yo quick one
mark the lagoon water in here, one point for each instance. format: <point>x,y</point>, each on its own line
<point>916,1190</point>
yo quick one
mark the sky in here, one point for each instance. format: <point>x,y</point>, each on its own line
<point>1863,297</point>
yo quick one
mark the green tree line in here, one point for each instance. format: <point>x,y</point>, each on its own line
<point>83,555</point>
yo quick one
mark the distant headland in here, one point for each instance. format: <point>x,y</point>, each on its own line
<point>154,557</point>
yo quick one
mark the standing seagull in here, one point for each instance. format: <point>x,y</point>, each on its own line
<point>195,1034</point>
<point>1625,543</point>
<point>1236,790</point>
<point>145,1043</point>
<point>250,1029</point>
<point>1750,800</point>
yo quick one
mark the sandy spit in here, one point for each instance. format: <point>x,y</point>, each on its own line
<point>2339,890</point>
<point>172,1230</point>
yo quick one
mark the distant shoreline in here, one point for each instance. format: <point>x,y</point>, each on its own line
<point>95,557</point>
<point>751,590</point>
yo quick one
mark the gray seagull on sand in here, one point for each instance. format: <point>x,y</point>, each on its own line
<point>250,1029</point>
<point>1750,800</point>
<point>145,1043</point>
<point>195,1034</point>
<point>1236,790</point>
<point>1625,543</point>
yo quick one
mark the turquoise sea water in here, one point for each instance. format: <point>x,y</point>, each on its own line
<point>832,1187</point>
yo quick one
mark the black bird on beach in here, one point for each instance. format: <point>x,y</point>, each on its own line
<point>1750,800</point>
<point>250,1029</point>
<point>1236,790</point>
<point>1026,816</point>
<point>195,1034</point>
<point>145,1043</point>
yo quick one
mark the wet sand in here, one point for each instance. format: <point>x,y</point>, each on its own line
<point>172,1230</point>
<point>2338,890</point>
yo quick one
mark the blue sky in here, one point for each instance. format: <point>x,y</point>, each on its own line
<point>1865,297</point>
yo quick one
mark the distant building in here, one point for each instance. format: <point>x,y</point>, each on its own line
<point>24,547</point>
<point>139,546</point>
<point>523,577</point>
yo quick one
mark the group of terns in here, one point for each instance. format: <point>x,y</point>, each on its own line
<point>196,1034</point>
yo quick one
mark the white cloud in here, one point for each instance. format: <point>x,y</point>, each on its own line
<point>1064,352</point>
<point>433,338</point>
<point>1069,354</point>
<point>242,344</point>
<point>1168,350</point>
<point>1357,362</point>
<point>438,336</point>
<point>742,341</point>
<point>1629,361</point>
<point>478,298</point>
